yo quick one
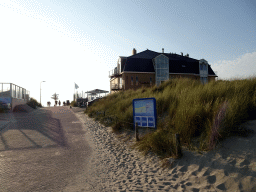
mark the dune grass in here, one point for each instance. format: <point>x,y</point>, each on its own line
<point>206,113</point>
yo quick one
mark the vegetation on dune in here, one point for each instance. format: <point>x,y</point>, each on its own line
<point>33,103</point>
<point>206,113</point>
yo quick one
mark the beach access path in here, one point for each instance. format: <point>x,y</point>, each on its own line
<point>65,150</point>
<point>42,150</point>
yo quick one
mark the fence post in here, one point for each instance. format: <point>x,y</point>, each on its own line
<point>136,132</point>
<point>178,147</point>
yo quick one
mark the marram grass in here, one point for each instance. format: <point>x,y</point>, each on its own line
<point>208,113</point>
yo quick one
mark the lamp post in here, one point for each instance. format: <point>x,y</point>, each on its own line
<point>40,92</point>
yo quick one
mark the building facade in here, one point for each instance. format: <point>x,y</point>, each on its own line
<point>149,68</point>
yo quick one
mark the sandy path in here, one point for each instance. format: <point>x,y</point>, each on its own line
<point>115,167</point>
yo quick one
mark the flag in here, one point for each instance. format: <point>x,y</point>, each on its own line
<point>76,86</point>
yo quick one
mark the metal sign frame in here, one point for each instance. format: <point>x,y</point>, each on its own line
<point>144,112</point>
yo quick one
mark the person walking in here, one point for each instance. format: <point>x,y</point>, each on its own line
<point>59,102</point>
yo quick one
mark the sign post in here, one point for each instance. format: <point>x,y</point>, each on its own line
<point>144,112</point>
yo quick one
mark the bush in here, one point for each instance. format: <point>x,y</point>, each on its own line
<point>33,103</point>
<point>73,104</point>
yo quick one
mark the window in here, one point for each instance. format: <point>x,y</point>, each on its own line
<point>150,80</point>
<point>203,67</point>
<point>161,65</point>
<point>131,80</point>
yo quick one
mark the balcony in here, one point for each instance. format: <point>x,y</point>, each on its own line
<point>115,87</point>
<point>114,73</point>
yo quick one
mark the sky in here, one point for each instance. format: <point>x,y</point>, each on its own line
<point>63,42</point>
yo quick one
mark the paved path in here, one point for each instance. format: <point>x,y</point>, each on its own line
<point>41,151</point>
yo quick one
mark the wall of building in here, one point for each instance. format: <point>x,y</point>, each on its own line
<point>143,80</point>
<point>210,78</point>
<point>183,76</point>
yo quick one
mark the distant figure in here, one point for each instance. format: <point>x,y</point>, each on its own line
<point>64,104</point>
<point>56,103</point>
<point>59,102</point>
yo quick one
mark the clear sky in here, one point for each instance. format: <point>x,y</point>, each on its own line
<point>67,41</point>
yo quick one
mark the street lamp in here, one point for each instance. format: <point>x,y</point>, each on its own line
<point>40,92</point>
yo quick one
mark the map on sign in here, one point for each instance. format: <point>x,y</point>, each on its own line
<point>144,108</point>
<point>144,112</point>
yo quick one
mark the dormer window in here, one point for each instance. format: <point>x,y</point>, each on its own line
<point>203,66</point>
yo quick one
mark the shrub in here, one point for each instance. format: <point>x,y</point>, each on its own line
<point>73,104</point>
<point>33,103</point>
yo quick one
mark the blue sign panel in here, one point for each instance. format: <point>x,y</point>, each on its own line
<point>144,112</point>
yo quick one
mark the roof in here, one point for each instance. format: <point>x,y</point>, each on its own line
<point>139,65</point>
<point>143,62</point>
<point>97,91</point>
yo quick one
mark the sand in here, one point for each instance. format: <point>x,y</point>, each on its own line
<point>114,166</point>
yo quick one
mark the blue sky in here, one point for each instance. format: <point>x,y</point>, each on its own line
<point>64,41</point>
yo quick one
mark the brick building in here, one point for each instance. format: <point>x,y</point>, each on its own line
<point>149,68</point>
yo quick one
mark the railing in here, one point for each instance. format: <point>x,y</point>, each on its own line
<point>114,72</point>
<point>115,86</point>
<point>14,91</point>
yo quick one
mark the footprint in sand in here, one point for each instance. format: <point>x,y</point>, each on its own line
<point>207,172</point>
<point>184,169</point>
<point>245,162</point>
<point>211,179</point>
<point>222,187</point>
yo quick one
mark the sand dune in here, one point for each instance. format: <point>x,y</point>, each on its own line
<point>115,167</point>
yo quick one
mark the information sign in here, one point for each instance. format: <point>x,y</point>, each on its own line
<point>144,112</point>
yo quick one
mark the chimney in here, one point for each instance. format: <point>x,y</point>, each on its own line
<point>181,53</point>
<point>162,50</point>
<point>134,52</point>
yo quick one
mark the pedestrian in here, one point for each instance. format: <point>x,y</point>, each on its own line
<point>59,102</point>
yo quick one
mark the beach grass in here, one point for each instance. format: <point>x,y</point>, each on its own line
<point>205,113</point>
